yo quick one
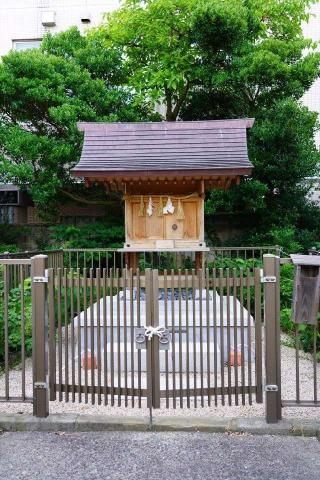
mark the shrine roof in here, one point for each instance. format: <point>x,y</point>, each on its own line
<point>212,147</point>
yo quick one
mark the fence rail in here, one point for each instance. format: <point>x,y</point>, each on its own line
<point>113,258</point>
<point>13,310</point>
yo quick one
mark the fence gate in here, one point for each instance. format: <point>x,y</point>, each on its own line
<point>93,317</point>
<point>214,321</point>
<point>158,339</point>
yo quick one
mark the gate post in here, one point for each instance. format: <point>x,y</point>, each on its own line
<point>152,320</point>
<point>155,342</point>
<point>39,336</point>
<point>271,280</point>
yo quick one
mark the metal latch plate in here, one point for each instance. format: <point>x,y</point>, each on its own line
<point>141,341</point>
<point>268,279</point>
<point>40,279</point>
<point>271,388</point>
<point>165,340</point>
<point>41,385</point>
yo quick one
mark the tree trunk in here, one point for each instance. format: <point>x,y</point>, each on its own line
<point>170,116</point>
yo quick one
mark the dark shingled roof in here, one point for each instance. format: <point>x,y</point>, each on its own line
<point>210,147</point>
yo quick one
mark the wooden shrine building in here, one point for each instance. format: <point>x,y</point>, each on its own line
<point>163,170</point>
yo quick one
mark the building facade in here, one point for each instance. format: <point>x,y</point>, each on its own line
<point>312,30</point>
<point>23,23</point>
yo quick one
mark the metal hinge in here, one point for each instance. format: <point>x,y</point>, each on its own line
<point>267,279</point>
<point>41,385</point>
<point>271,388</point>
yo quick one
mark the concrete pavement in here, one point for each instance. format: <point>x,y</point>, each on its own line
<point>157,455</point>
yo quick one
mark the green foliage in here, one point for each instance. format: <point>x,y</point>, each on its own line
<point>286,323</point>
<point>10,236</point>
<point>308,337</point>
<point>164,47</point>
<point>222,261</point>
<point>283,152</point>
<point>286,285</point>
<point>205,57</point>
<point>92,235</point>
<point>248,197</point>
<point>14,320</point>
<point>268,64</point>
<point>43,94</point>
<point>8,248</point>
<point>286,237</point>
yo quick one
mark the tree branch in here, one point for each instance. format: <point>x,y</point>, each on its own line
<point>168,95</point>
<point>180,100</point>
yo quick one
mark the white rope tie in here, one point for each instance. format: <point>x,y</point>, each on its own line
<point>151,331</point>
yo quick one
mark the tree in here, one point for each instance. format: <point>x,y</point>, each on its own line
<point>43,94</point>
<point>282,149</point>
<point>161,50</point>
<point>210,59</point>
<point>178,51</point>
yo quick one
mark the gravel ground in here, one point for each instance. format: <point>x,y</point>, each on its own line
<point>288,389</point>
<point>188,456</point>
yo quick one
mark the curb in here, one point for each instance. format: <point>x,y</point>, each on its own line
<point>103,423</point>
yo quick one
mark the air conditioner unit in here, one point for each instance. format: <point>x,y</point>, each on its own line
<point>48,19</point>
<point>85,17</point>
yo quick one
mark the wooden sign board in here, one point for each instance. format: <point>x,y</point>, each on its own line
<point>306,293</point>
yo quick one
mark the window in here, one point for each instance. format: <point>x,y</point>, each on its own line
<point>25,44</point>
<point>8,197</point>
<point>7,215</point>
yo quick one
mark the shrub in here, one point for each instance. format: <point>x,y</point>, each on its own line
<point>286,323</point>
<point>286,285</point>
<point>8,248</point>
<point>14,320</point>
<point>286,237</point>
<point>11,234</point>
<point>308,336</point>
<point>91,235</point>
<point>237,263</point>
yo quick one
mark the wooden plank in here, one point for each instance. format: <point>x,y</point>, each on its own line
<point>172,280</point>
<point>15,261</point>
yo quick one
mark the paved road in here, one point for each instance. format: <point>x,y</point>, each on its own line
<point>120,455</point>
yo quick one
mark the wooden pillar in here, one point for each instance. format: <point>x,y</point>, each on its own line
<point>271,268</point>
<point>39,336</point>
<point>199,260</point>
<point>131,260</point>
<point>201,212</point>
